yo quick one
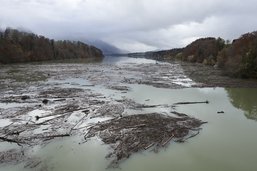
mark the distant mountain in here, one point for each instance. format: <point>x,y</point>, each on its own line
<point>18,46</point>
<point>106,48</point>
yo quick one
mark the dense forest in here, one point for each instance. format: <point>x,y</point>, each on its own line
<point>237,59</point>
<point>240,58</point>
<point>17,46</point>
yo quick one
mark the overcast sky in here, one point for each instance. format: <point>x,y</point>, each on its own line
<point>133,25</point>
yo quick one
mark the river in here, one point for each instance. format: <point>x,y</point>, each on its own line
<point>226,143</point>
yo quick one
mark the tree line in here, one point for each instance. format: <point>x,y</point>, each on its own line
<point>236,59</point>
<point>18,46</point>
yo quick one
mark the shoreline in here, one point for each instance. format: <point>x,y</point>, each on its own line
<point>212,77</point>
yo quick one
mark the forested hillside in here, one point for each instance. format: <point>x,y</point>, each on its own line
<point>240,58</point>
<point>237,59</point>
<point>17,46</point>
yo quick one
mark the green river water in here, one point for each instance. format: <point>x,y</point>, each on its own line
<point>228,142</point>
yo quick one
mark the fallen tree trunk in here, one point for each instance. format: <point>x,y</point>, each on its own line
<point>12,141</point>
<point>185,103</point>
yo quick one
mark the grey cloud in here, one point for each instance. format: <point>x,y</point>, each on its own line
<point>135,25</point>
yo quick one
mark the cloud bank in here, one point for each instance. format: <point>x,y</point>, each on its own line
<point>133,25</point>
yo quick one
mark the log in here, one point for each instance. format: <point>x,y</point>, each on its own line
<point>148,106</point>
<point>73,128</point>
<point>167,141</point>
<point>179,114</point>
<point>57,117</point>
<point>59,100</point>
<point>185,103</point>
<point>149,146</point>
<point>136,126</point>
<point>192,136</point>
<point>56,136</point>
<point>11,141</point>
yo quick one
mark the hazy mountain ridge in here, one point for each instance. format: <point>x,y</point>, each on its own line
<point>106,48</point>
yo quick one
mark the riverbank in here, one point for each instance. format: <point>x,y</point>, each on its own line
<point>214,77</point>
<point>237,59</point>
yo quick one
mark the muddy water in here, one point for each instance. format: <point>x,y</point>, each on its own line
<point>226,143</point>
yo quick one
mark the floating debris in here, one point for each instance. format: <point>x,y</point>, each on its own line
<point>110,110</point>
<point>12,156</point>
<point>134,133</point>
<point>119,88</point>
<point>25,97</point>
<point>45,101</point>
<point>185,103</point>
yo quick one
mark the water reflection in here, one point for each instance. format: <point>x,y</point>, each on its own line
<point>245,99</point>
<point>126,60</point>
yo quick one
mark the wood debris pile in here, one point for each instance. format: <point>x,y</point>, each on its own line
<point>134,133</point>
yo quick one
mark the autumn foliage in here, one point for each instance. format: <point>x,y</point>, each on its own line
<point>17,46</point>
<point>203,50</point>
<point>240,58</point>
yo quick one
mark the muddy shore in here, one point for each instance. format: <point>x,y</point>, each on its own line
<point>214,77</point>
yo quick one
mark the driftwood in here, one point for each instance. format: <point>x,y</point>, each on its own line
<point>167,141</point>
<point>59,113</point>
<point>53,136</point>
<point>149,146</point>
<point>11,141</point>
<point>86,114</point>
<point>179,114</point>
<point>49,120</point>
<point>30,139</point>
<point>134,133</point>
<point>32,164</point>
<point>12,156</point>
<point>59,100</point>
<point>186,103</point>
<point>60,93</point>
<point>131,104</point>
